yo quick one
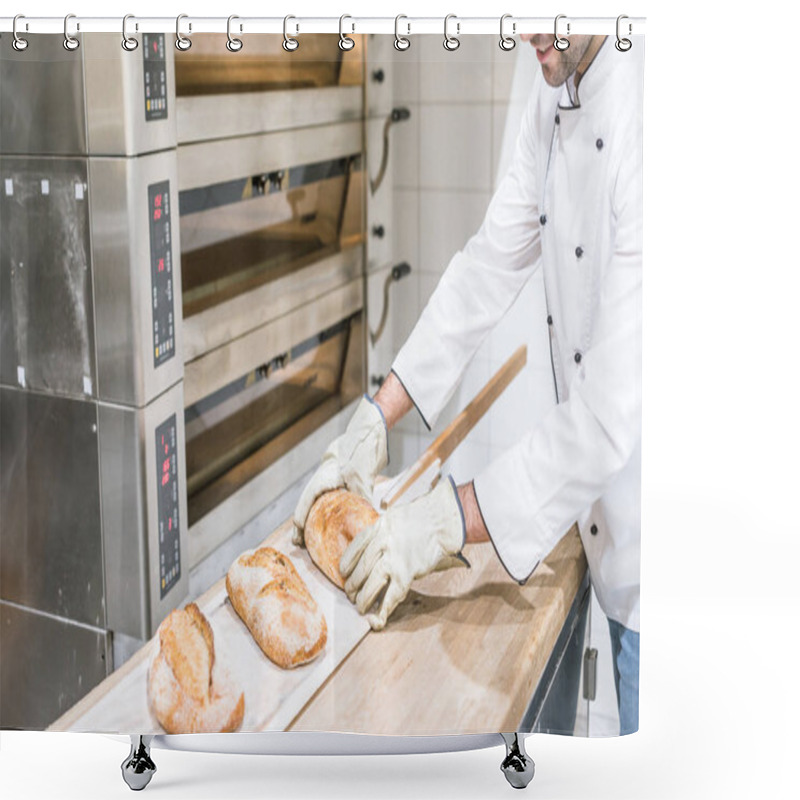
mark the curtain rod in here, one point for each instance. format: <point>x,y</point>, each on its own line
<point>407,26</point>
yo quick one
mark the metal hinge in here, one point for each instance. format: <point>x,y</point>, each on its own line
<point>590,673</point>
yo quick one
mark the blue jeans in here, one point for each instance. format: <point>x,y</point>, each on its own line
<point>625,651</point>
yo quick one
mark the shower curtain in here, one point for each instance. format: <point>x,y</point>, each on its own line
<point>249,285</point>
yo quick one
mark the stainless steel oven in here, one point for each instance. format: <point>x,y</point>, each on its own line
<point>182,307</point>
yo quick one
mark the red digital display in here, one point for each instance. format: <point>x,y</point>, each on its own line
<point>157,215</point>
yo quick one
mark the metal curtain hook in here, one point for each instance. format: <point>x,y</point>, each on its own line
<point>506,42</point>
<point>129,43</point>
<point>70,42</point>
<point>623,45</point>
<point>181,41</point>
<point>289,44</point>
<point>559,42</point>
<point>18,42</point>
<point>345,42</point>
<point>451,42</point>
<point>401,42</point>
<point>233,44</point>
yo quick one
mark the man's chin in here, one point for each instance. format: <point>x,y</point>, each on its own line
<point>552,78</point>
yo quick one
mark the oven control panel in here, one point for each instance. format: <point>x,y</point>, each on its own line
<point>155,76</point>
<point>169,549</point>
<point>161,272</point>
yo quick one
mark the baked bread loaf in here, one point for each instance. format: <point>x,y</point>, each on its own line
<point>188,690</point>
<point>333,522</point>
<point>275,604</point>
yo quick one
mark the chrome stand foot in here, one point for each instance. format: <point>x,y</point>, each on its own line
<point>138,767</point>
<point>517,766</point>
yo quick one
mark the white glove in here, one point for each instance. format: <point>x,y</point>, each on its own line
<point>353,460</point>
<point>407,542</point>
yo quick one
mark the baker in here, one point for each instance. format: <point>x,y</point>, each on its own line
<point>571,202</point>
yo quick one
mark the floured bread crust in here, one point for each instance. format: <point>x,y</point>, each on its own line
<point>188,690</point>
<point>333,522</point>
<point>275,604</point>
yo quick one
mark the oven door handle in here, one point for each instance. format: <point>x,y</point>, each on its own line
<point>396,115</point>
<point>397,272</point>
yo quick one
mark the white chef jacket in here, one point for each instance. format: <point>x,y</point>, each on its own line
<point>571,202</point>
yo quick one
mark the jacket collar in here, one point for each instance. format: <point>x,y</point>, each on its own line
<point>592,81</point>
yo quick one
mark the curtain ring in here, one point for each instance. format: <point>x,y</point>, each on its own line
<point>345,42</point>
<point>623,45</point>
<point>559,42</point>
<point>451,43</point>
<point>70,42</point>
<point>289,44</point>
<point>233,44</point>
<point>506,42</point>
<point>18,42</point>
<point>129,43</point>
<point>401,42</point>
<point>182,42</point>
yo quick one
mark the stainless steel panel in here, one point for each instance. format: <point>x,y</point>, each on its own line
<point>228,517</point>
<point>48,665</point>
<point>127,372</point>
<point>130,482</point>
<point>41,97</point>
<point>219,367</point>
<point>51,550</point>
<point>219,324</point>
<point>207,163</point>
<point>115,97</point>
<point>89,101</point>
<point>46,320</point>
<point>217,116</point>
<point>380,354</point>
<point>380,205</point>
<point>383,65</point>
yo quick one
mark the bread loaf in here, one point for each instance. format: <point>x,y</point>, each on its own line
<point>275,604</point>
<point>188,691</point>
<point>334,520</point>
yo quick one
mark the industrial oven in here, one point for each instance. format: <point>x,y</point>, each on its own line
<point>185,247</point>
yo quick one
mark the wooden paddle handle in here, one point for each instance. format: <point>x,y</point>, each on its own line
<point>445,444</point>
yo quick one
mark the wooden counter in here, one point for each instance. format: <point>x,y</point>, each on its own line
<point>463,653</point>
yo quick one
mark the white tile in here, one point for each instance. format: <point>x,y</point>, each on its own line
<point>405,75</point>
<point>455,146</point>
<point>404,309</point>
<point>461,76</point>
<point>505,63</point>
<point>447,220</point>
<point>499,165</point>
<point>404,449</point>
<point>427,284</point>
<point>411,423</point>
<point>404,155</point>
